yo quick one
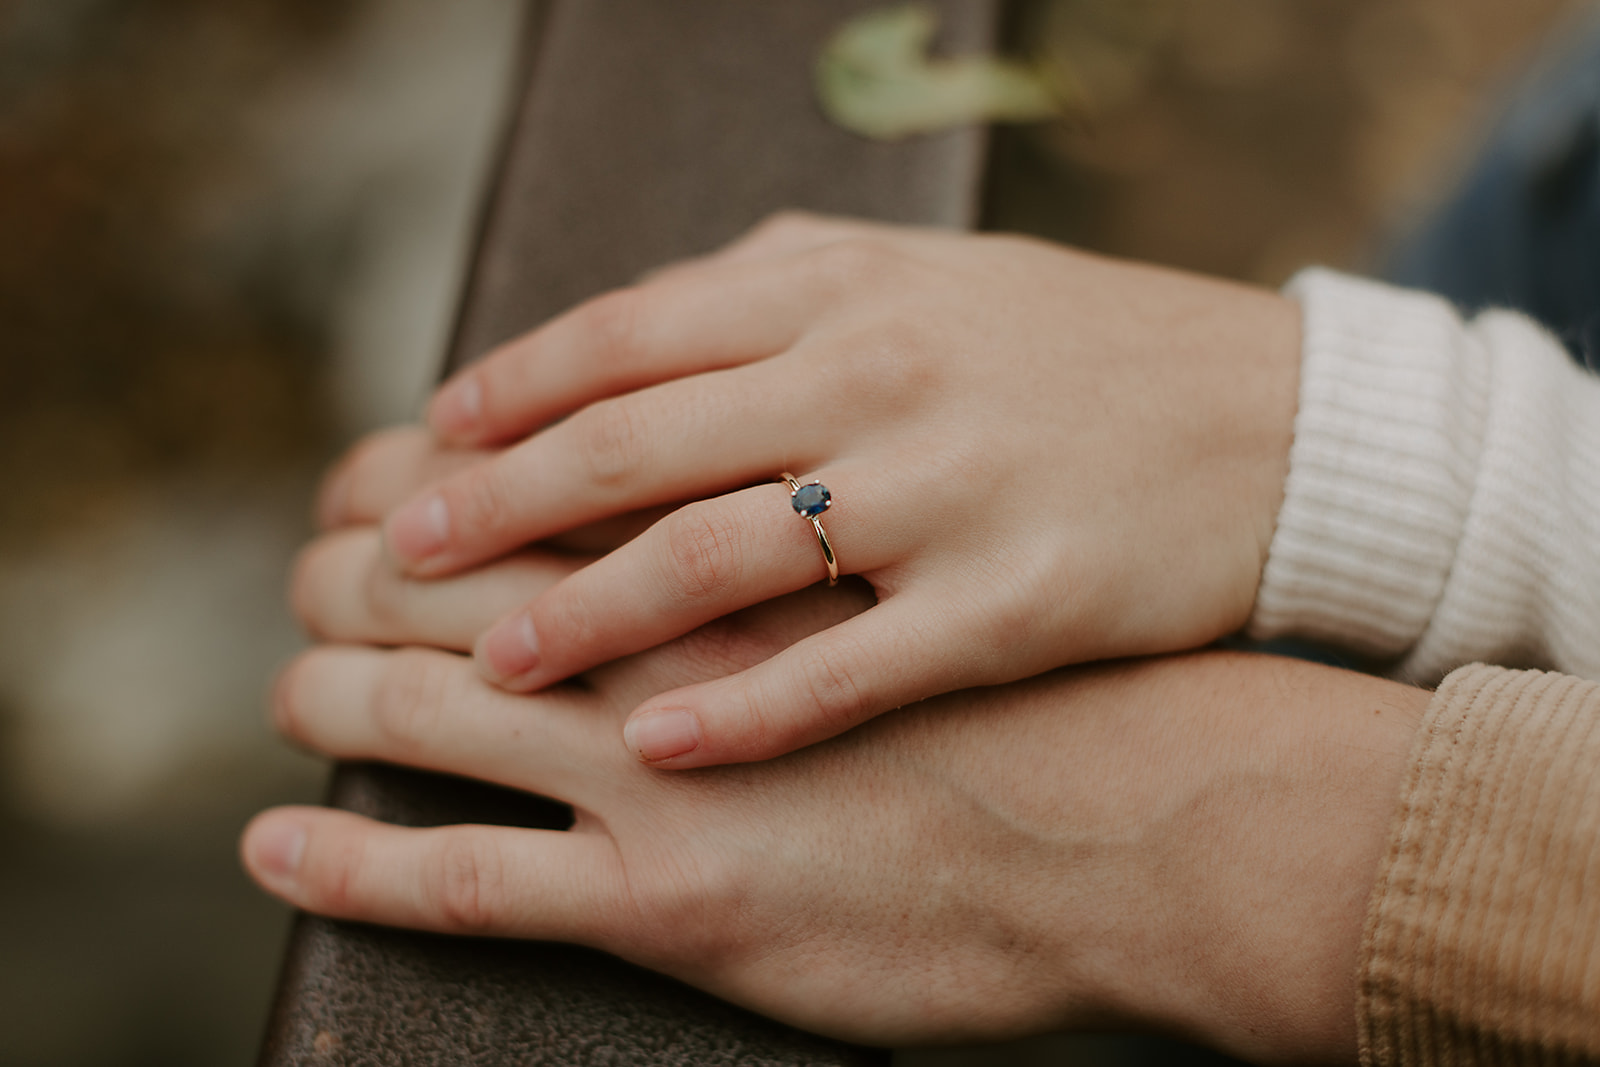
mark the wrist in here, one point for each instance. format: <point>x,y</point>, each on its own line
<point>1266,845</point>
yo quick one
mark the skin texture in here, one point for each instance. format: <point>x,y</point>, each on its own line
<point>1037,457</point>
<point>1183,844</point>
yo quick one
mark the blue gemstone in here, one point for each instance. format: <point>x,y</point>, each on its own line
<point>812,500</point>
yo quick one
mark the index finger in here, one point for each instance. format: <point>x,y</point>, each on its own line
<point>481,880</point>
<point>719,315</point>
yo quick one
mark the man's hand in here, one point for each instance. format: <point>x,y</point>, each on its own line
<point>1184,844</point>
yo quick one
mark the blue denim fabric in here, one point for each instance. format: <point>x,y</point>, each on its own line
<point>1523,230</point>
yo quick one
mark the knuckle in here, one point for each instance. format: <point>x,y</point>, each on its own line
<point>610,324</point>
<point>1010,621</point>
<point>854,263</point>
<point>409,701</point>
<point>611,442</point>
<point>992,614</point>
<point>485,500</point>
<point>333,875</point>
<point>570,618</point>
<point>468,886</point>
<point>705,551</point>
<point>891,362</point>
<point>833,688</point>
<point>972,459</point>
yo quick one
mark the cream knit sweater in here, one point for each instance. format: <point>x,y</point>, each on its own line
<point>1443,508</point>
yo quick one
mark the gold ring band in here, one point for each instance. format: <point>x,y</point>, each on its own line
<point>809,501</point>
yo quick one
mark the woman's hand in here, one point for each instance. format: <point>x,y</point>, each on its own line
<point>384,468</point>
<point>1036,457</point>
<point>1182,844</point>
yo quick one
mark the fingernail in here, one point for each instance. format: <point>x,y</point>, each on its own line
<point>661,735</point>
<point>459,406</point>
<point>419,529</point>
<point>511,648</point>
<point>278,846</point>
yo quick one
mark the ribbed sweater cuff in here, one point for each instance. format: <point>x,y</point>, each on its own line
<point>1482,942</point>
<point>1393,396</point>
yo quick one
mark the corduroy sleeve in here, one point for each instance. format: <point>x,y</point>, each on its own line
<point>1482,942</point>
<point>1443,499</point>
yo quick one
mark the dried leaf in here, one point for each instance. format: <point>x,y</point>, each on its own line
<point>875,78</point>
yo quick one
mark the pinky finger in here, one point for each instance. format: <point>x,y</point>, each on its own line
<point>483,880</point>
<point>892,654</point>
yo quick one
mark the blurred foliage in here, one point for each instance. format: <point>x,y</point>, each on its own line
<point>876,78</point>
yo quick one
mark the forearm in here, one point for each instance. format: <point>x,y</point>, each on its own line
<point>1461,829</point>
<point>1264,787</point>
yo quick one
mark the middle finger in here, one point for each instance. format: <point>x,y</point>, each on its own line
<point>428,709</point>
<point>343,589</point>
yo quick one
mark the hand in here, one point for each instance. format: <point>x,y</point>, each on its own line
<point>1185,844</point>
<point>1036,457</point>
<point>383,468</point>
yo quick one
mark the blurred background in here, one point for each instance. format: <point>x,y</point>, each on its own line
<point>232,233</point>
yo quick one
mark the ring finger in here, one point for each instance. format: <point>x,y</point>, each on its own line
<point>700,563</point>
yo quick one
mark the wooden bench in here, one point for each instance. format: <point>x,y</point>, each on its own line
<point>646,130</point>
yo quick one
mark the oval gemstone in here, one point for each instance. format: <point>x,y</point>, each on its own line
<point>812,500</point>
